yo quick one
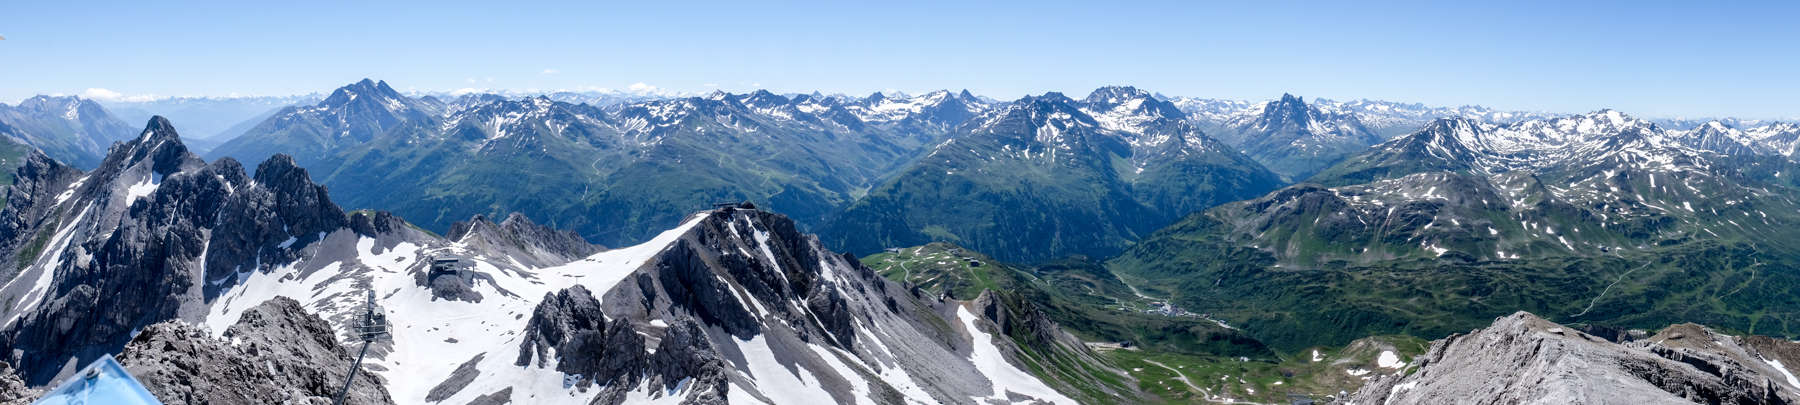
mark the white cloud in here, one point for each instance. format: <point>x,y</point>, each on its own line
<point>470,80</point>
<point>640,87</point>
<point>101,94</point>
<point>109,95</point>
<point>548,72</point>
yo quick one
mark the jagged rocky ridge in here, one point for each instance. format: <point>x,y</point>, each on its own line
<point>1525,359</point>
<point>277,352</point>
<point>727,307</point>
<point>732,304</point>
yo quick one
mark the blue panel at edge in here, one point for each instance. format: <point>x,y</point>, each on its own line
<point>104,382</point>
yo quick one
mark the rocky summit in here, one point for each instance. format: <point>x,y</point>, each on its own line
<point>1522,358</point>
<point>277,352</point>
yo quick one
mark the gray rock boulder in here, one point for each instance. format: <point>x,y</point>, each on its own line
<point>276,353</point>
<point>12,389</point>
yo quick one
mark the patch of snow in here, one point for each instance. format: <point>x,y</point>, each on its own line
<point>777,382</point>
<point>1389,360</point>
<point>142,189</point>
<point>1398,388</point>
<point>992,364</point>
<point>1784,372</point>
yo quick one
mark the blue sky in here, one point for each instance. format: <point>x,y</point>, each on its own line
<point>1646,58</point>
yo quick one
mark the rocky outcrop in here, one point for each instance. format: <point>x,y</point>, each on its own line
<point>520,238</point>
<point>571,326</point>
<point>267,220</point>
<point>36,182</point>
<point>685,355</point>
<point>127,244</point>
<point>275,353</point>
<point>1525,359</point>
<point>13,390</point>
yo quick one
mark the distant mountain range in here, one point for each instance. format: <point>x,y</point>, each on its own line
<point>1048,176</point>
<point>1595,217</point>
<point>644,163</point>
<point>438,157</point>
<point>209,119</point>
<point>70,129</point>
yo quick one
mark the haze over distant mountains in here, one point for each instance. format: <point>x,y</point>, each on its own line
<point>1115,247</point>
<point>439,157</point>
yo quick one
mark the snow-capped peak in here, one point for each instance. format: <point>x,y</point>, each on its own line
<point>1128,109</point>
<point>890,108</point>
<point>1570,141</point>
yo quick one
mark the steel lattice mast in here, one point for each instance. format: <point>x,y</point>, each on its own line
<point>370,326</point>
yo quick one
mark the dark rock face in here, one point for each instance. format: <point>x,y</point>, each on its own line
<point>689,283</point>
<point>134,233</point>
<point>571,324</point>
<point>276,353</point>
<point>36,183</point>
<point>460,378</point>
<point>501,397</point>
<point>685,353</point>
<point>305,205</point>
<point>1016,318</point>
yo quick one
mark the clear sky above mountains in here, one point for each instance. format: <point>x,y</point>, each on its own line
<point>1647,58</point>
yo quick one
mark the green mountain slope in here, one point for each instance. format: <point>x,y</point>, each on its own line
<point>1174,356</point>
<point>1596,218</point>
<point>1049,176</point>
